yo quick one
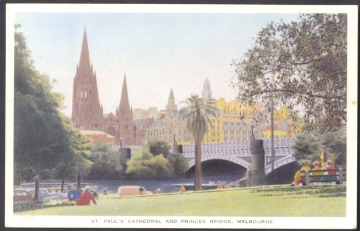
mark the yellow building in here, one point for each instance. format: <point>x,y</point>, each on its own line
<point>233,122</point>
<point>282,114</point>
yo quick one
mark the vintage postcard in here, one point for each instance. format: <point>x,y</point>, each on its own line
<point>181,116</point>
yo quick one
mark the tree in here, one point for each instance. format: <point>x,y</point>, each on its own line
<point>156,160</point>
<point>335,144</point>
<point>106,163</point>
<point>309,149</point>
<point>44,143</point>
<point>302,63</point>
<point>143,164</point>
<point>197,112</point>
<point>158,147</point>
<point>179,163</point>
<point>306,149</point>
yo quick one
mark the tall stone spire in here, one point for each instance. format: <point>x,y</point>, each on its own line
<point>125,116</point>
<point>207,94</point>
<point>84,55</point>
<point>171,102</point>
<point>171,99</point>
<point>124,100</point>
<point>86,111</point>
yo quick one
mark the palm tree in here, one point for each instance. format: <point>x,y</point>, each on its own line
<point>197,112</point>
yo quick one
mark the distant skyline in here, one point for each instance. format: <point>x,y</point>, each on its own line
<point>157,52</point>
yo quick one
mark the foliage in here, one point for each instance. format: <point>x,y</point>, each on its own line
<point>179,163</point>
<point>156,160</point>
<point>145,165</point>
<point>306,149</point>
<point>336,145</point>
<point>45,145</point>
<point>107,163</point>
<point>159,147</point>
<point>309,149</point>
<point>197,112</point>
<point>302,64</point>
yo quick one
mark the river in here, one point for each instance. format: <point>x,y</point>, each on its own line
<point>151,184</point>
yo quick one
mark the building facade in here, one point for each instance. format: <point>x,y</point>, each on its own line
<point>87,112</point>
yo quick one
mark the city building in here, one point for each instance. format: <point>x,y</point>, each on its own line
<point>151,112</point>
<point>170,126</point>
<point>99,136</point>
<point>87,112</point>
<point>127,127</point>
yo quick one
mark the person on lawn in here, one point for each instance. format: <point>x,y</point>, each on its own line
<point>73,194</point>
<point>86,197</point>
<point>298,174</point>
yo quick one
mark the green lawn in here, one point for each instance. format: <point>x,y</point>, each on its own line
<point>269,201</point>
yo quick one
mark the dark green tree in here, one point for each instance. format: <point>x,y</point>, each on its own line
<point>308,149</point>
<point>106,162</point>
<point>158,147</point>
<point>44,143</point>
<point>197,113</point>
<point>179,163</point>
<point>335,144</point>
<point>302,63</point>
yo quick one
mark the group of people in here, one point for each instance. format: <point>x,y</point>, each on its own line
<point>75,197</point>
<point>327,162</point>
<point>223,186</point>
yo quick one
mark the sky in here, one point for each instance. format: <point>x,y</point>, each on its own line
<point>157,52</point>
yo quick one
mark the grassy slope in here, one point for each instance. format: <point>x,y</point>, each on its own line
<point>271,201</point>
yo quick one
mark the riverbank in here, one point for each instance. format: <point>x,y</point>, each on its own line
<point>267,201</point>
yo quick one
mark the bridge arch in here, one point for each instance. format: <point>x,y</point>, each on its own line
<point>232,159</point>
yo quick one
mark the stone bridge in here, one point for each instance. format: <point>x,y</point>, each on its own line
<point>239,153</point>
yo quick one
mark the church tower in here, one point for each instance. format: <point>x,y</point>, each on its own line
<point>87,113</point>
<point>207,94</point>
<point>171,106</point>
<point>125,115</point>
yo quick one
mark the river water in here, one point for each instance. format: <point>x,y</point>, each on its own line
<point>151,184</point>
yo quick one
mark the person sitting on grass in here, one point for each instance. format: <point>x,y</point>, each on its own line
<point>318,175</point>
<point>182,189</point>
<point>298,174</point>
<point>331,175</point>
<point>86,197</point>
<point>73,194</point>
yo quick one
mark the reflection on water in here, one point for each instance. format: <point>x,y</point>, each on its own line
<point>152,184</point>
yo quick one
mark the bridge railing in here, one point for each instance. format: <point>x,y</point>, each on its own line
<point>282,147</point>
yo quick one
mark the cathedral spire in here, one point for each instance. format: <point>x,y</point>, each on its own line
<point>171,96</point>
<point>87,110</point>
<point>124,100</point>
<point>84,56</point>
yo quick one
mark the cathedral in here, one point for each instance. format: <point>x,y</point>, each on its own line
<point>87,112</point>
